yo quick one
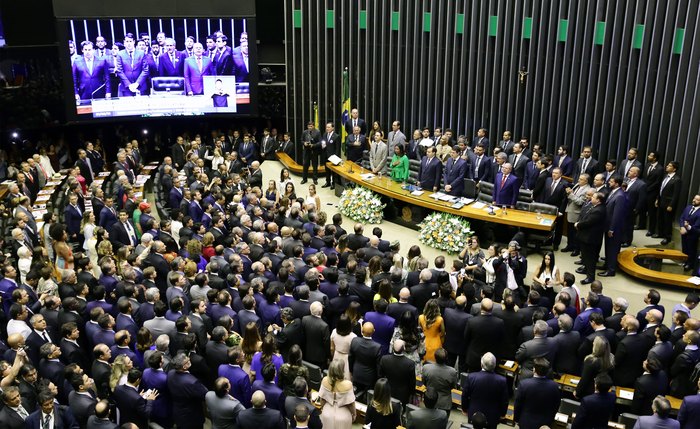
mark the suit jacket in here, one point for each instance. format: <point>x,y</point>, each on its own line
<point>426,418</point>
<point>82,406</point>
<point>646,388</point>
<point>262,418</point>
<point>616,212</point>
<point>532,349</point>
<point>72,218</point>
<point>194,77</point>
<point>268,146</point>
<point>132,407</point>
<point>170,68</point>
<point>693,230</point>
<point>188,395</point>
<point>430,173</point>
<point>539,187</point>
<point>100,373</point>
<point>670,194</point>
<point>318,338</point>
<point>223,411</point>
<point>158,379</point>
<point>400,371</point>
<point>363,360</point>
<point>360,123</point>
<point>688,415</point>
<point>637,196</point>
<point>91,83</point>
<point>63,419</point>
<point>482,334</point>
<point>442,378</point>
<point>240,382</point>
<point>656,422</point>
<point>291,403</point>
<point>107,219</point>
<point>73,353</point>
<point>653,176</point>
<point>567,165</point>
<point>595,411</point>
<point>10,418</point>
<point>223,63</point>
<point>519,169</point>
<point>531,174</point>
<point>630,352</point>
<point>486,392</point>
<point>681,371</point>
<point>557,197</point>
<point>455,323</point>
<point>383,328</point>
<point>591,169</point>
<point>591,226</point>
<point>421,294</point>
<point>239,68</point>
<point>355,145</point>
<point>505,193</point>
<point>536,402</point>
<point>454,174</point>
<point>377,155</point>
<point>96,423</point>
<point>131,70</point>
<point>480,170</point>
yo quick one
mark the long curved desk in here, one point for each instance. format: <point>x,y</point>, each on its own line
<point>385,186</point>
<point>627,264</point>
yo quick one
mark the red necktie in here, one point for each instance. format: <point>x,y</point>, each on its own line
<point>503,181</point>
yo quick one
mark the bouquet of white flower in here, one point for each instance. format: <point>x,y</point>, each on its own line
<point>445,232</point>
<point>362,205</point>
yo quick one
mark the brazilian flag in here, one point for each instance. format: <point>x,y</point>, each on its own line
<point>346,104</point>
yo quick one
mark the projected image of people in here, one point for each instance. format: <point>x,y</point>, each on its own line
<point>160,67</point>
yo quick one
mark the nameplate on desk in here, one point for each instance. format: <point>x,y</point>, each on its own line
<point>53,183</point>
<point>45,192</point>
<point>626,394</point>
<point>561,417</point>
<point>574,381</point>
<point>103,174</point>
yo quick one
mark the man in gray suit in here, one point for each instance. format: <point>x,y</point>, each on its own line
<point>428,417</point>
<point>159,325</point>
<point>223,408</point>
<point>378,151</point>
<point>396,136</point>
<point>576,196</point>
<point>539,346</point>
<point>442,378</point>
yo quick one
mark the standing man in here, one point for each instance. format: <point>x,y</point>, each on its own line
<point>480,168</point>
<point>653,176</point>
<point>537,399</point>
<point>195,68</point>
<point>171,62</point>
<point>589,230</point>
<point>396,136</point>
<point>505,188</point>
<point>564,161</point>
<point>575,198</point>
<point>268,146</point>
<point>690,232</point>
<point>131,69</point>
<point>455,170</point>
<point>615,218</point>
<point>377,154</point>
<point>636,191</point>
<point>629,162</point>
<point>355,144</point>
<point>223,61</point>
<point>586,164</point>
<point>430,171</point>
<point>555,195</point>
<point>481,138</point>
<point>355,121</point>
<point>667,201</point>
<point>311,139</point>
<point>90,75</point>
<point>519,162</point>
<point>506,144</point>
<point>330,145</point>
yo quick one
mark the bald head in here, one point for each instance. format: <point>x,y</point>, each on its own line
<point>399,346</point>
<point>404,294</point>
<point>486,305</point>
<point>654,316</point>
<point>368,329</point>
<point>258,399</point>
<point>374,241</point>
<point>461,300</point>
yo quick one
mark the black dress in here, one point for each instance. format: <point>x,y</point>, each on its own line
<point>379,421</point>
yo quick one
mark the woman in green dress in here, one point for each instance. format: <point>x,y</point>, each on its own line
<point>399,164</point>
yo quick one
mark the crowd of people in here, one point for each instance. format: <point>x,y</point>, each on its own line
<point>223,307</point>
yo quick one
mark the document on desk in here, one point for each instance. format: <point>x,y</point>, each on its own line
<point>417,193</point>
<point>546,222</point>
<point>367,176</point>
<point>479,205</point>
<point>694,280</point>
<point>626,394</point>
<point>446,197</point>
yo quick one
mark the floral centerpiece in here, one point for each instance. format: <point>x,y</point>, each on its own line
<point>361,205</point>
<point>445,232</point>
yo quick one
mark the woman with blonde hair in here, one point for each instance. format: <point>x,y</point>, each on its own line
<point>601,360</point>
<point>87,227</point>
<point>120,370</point>
<point>381,413</point>
<point>433,327</point>
<point>208,246</point>
<point>337,398</point>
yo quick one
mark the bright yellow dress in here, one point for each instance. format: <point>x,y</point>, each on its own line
<point>433,339</point>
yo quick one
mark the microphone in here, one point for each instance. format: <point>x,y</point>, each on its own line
<point>92,96</point>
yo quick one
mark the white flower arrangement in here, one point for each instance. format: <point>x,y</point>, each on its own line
<point>361,205</point>
<point>445,232</point>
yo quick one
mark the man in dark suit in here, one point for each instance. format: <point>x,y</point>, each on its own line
<point>630,353</point>
<point>486,392</point>
<point>653,175</point>
<point>455,323</point>
<point>81,400</point>
<point>240,386</point>
<point>586,164</point>
<point>318,336</point>
<point>355,144</point>
<point>690,232</point>
<point>364,358</point>
<point>454,173</point>
<point>506,145</point>
<point>596,409</point>
<point>689,412</point>
<point>330,145</point>
<point>538,347</point>
<point>505,187</point>
<point>72,217</point>
<point>428,417</point>
<point>480,168</point>
<point>537,398</point>
<point>131,69</point>
<point>567,341</point>
<point>555,195</point>
<point>291,332</point>
<point>57,416</point>
<point>311,142</point>
<point>564,161</point>
<point>292,403</point>
<point>519,162</point>
<point>274,395</point>
<point>667,202</point>
<point>13,414</point>
<point>616,209</point>
<point>259,416</point>
<point>590,229</point>
<point>482,334</point>
<point>170,61</point>
<point>661,419</point>
<point>223,61</point>
<point>101,369</point>
<point>649,385</point>
<point>430,171</point>
<point>400,371</point>
<point>636,191</point>
<point>90,75</point>
<point>241,62</point>
<point>195,68</point>
<point>71,351</point>
<point>423,291</point>
<point>355,121</point>
<point>631,161</point>
<point>123,232</point>
<point>187,394</point>
<point>543,167</point>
